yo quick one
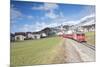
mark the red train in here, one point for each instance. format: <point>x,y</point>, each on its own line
<point>80,37</point>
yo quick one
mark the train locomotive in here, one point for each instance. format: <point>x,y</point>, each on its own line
<point>80,37</point>
<point>73,34</point>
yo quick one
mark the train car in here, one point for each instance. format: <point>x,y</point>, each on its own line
<point>68,36</point>
<point>80,37</point>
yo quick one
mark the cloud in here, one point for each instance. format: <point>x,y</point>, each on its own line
<point>15,14</point>
<point>51,15</point>
<point>26,28</point>
<point>33,27</point>
<point>36,27</point>
<point>81,20</point>
<point>30,17</point>
<point>46,7</point>
<point>49,8</point>
<point>64,21</point>
<point>56,19</point>
<point>41,25</point>
<point>88,16</point>
<point>86,10</point>
<point>69,22</point>
<point>18,15</point>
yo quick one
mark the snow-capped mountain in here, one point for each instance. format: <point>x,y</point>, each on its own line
<point>89,20</point>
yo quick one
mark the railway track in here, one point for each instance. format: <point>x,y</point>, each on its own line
<point>79,52</point>
<point>88,45</point>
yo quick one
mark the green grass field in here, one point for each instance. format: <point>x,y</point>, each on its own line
<point>32,52</point>
<point>90,37</point>
<point>42,51</point>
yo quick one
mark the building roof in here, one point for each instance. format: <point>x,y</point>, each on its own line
<point>20,33</point>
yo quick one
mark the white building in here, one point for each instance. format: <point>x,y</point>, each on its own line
<point>30,35</point>
<point>37,36</point>
<point>43,34</point>
<point>88,28</point>
<point>19,37</point>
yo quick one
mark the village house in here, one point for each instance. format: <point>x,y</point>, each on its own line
<point>43,34</point>
<point>20,36</point>
<point>37,35</point>
<point>29,35</point>
<point>88,28</point>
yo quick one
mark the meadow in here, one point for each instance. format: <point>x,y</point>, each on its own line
<point>41,51</point>
<point>33,52</point>
<point>90,37</point>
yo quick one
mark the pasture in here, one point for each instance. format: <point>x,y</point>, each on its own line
<point>33,52</point>
<point>90,37</point>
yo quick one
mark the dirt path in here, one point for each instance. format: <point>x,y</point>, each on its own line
<point>77,52</point>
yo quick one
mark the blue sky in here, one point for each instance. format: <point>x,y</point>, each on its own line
<point>34,16</point>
